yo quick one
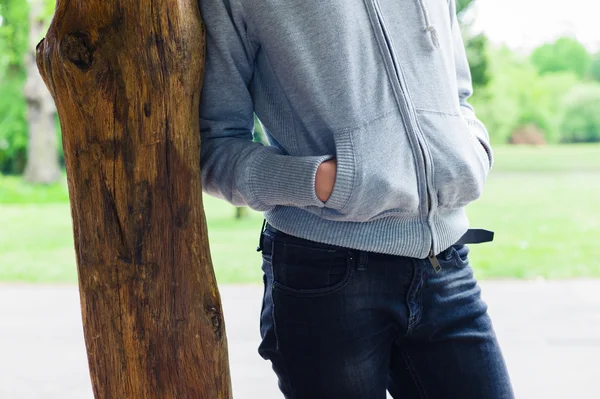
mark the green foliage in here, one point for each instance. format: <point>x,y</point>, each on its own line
<point>463,5</point>
<point>517,95</point>
<point>13,126</point>
<point>476,48</point>
<point>595,67</point>
<point>565,54</point>
<point>498,104</point>
<point>14,31</point>
<point>581,114</point>
<point>543,103</point>
<point>14,42</point>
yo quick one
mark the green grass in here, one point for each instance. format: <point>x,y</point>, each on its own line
<point>36,243</point>
<point>14,190</point>
<point>547,225</point>
<point>573,158</point>
<point>543,203</point>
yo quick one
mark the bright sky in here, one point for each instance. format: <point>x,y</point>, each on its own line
<point>524,24</point>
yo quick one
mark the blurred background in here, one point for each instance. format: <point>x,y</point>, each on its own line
<point>536,71</point>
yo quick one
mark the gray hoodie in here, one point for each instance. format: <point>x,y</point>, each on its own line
<point>381,85</point>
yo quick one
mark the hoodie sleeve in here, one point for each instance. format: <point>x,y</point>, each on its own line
<point>233,167</point>
<point>465,85</point>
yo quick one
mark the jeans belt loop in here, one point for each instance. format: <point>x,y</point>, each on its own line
<point>260,240</point>
<point>363,260</point>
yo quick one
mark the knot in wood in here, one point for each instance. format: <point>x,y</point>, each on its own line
<point>77,48</point>
<point>216,320</point>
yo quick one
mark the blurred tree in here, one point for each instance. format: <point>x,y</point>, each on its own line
<point>42,146</point>
<point>476,48</point>
<point>595,67</point>
<point>565,54</point>
<point>241,212</point>
<point>475,45</point>
<point>497,104</point>
<point>17,66</point>
<point>13,44</point>
<point>580,118</point>
<point>462,5</point>
<point>518,96</point>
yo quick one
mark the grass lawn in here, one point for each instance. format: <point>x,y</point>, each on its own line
<point>543,204</point>
<point>36,243</point>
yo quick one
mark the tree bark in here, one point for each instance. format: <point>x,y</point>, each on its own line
<point>126,78</point>
<point>42,145</point>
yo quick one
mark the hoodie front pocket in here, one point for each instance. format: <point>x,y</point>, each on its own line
<point>376,174</point>
<point>460,164</point>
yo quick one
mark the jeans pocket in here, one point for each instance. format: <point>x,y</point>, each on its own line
<point>308,271</point>
<point>460,255</point>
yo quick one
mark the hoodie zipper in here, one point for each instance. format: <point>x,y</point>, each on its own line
<point>407,117</point>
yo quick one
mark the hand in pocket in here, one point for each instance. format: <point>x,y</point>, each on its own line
<point>325,179</point>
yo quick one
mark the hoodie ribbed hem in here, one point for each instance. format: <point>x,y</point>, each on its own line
<point>388,235</point>
<point>449,226</point>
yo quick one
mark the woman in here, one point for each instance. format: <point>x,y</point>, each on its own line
<point>374,153</point>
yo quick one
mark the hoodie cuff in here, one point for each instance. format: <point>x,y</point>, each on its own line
<point>276,179</point>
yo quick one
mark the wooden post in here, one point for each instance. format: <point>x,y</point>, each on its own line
<point>126,77</point>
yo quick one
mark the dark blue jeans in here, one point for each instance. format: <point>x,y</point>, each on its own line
<point>347,324</point>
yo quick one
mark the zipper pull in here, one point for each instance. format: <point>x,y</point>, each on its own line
<point>434,262</point>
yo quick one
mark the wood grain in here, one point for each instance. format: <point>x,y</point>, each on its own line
<point>126,78</point>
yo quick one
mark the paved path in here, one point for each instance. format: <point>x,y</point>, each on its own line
<point>550,332</point>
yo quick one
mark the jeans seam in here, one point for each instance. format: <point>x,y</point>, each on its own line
<point>414,375</point>
<point>278,350</point>
<point>413,290</point>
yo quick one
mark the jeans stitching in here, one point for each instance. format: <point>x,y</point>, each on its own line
<point>278,351</point>
<point>414,375</point>
<point>315,293</point>
<point>270,264</point>
<point>311,293</point>
<point>458,261</point>
<point>420,300</point>
<point>410,294</point>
